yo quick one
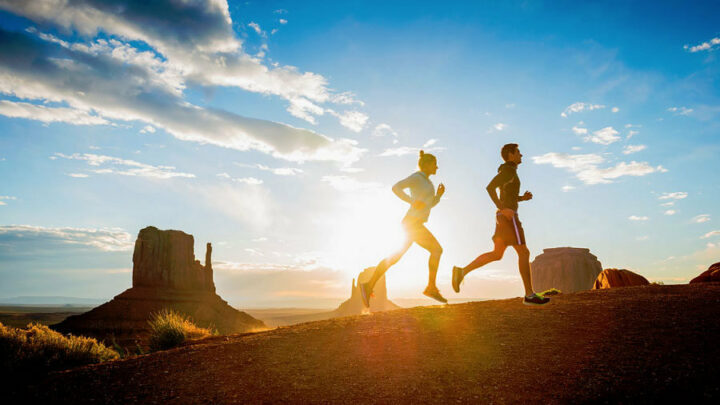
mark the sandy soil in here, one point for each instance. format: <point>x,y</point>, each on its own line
<point>628,345</point>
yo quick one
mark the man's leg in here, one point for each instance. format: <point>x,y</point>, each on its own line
<point>485,258</point>
<point>388,262</point>
<point>427,241</point>
<point>524,266</point>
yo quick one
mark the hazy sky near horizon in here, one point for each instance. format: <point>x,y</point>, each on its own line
<point>275,130</point>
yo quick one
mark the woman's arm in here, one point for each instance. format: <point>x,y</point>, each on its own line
<point>399,189</point>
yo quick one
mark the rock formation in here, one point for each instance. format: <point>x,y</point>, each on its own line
<point>611,278</point>
<point>567,269</point>
<point>165,275</point>
<point>379,301</point>
<point>711,274</point>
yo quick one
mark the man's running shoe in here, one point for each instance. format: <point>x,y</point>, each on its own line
<point>434,294</point>
<point>535,299</point>
<point>365,292</point>
<point>457,278</point>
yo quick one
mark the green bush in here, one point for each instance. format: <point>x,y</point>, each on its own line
<point>169,328</point>
<point>41,349</point>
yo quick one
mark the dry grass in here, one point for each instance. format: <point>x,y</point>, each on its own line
<point>169,328</point>
<point>39,349</point>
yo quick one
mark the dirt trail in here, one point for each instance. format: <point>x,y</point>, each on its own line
<point>636,344</point>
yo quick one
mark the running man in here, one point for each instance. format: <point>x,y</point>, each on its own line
<point>421,199</point>
<point>508,229</point>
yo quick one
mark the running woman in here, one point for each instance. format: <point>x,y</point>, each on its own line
<point>508,229</point>
<point>421,199</point>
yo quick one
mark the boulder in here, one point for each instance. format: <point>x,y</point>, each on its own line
<point>711,274</point>
<point>612,278</point>
<point>566,268</point>
<point>354,305</point>
<point>165,276</point>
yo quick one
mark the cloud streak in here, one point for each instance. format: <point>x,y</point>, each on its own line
<point>123,167</point>
<point>586,167</point>
<point>110,80</point>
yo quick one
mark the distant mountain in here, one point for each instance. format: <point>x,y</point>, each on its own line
<point>52,300</point>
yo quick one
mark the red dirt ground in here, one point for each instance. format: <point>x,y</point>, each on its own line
<point>646,344</point>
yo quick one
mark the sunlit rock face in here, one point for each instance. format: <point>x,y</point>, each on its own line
<point>709,275</point>
<point>379,301</point>
<point>612,278</point>
<point>166,259</point>
<point>165,276</point>
<point>567,269</point>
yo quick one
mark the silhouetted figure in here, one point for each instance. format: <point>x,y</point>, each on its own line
<point>422,198</point>
<point>508,229</point>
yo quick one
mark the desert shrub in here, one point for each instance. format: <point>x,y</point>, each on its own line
<point>38,348</point>
<point>169,328</point>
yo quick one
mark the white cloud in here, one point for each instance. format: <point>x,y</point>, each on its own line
<point>249,180</point>
<point>567,188</point>
<point>4,198</point>
<point>641,238</point>
<point>430,143</point>
<point>580,130</point>
<point>586,167</point>
<point>710,234</point>
<point>117,81</point>
<point>383,130</point>
<point>282,21</point>
<point>604,136</point>
<point>148,129</point>
<point>349,184</point>
<point>699,219</point>
<point>668,204</point>
<point>678,195</point>
<point>615,109</point>
<point>45,114</point>
<point>631,133</point>
<point>78,175</point>
<point>705,46</point>
<point>256,27</point>
<point>125,167</point>
<point>352,120</point>
<point>246,180</point>
<point>279,171</point>
<point>680,110</point>
<point>633,148</point>
<point>637,218</point>
<point>105,239</point>
<point>499,126</point>
<point>579,107</point>
<point>670,212</point>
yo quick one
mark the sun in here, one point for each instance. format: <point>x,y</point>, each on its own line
<point>366,229</point>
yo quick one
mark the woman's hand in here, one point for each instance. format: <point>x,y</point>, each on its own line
<point>440,190</point>
<point>527,196</point>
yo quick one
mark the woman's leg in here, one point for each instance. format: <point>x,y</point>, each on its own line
<point>388,262</point>
<point>423,237</point>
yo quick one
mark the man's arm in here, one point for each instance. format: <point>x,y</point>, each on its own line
<point>501,178</point>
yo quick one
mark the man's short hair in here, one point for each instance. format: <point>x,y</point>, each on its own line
<point>507,150</point>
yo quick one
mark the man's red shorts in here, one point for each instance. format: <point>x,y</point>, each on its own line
<point>509,230</point>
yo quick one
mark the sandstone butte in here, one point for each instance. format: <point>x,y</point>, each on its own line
<point>165,275</point>
<point>646,344</point>
<point>566,268</point>
<point>709,275</point>
<point>612,278</point>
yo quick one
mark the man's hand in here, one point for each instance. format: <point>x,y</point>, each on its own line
<point>418,205</point>
<point>440,190</point>
<point>507,213</point>
<point>527,196</point>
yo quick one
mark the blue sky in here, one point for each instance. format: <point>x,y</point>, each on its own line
<point>274,130</point>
